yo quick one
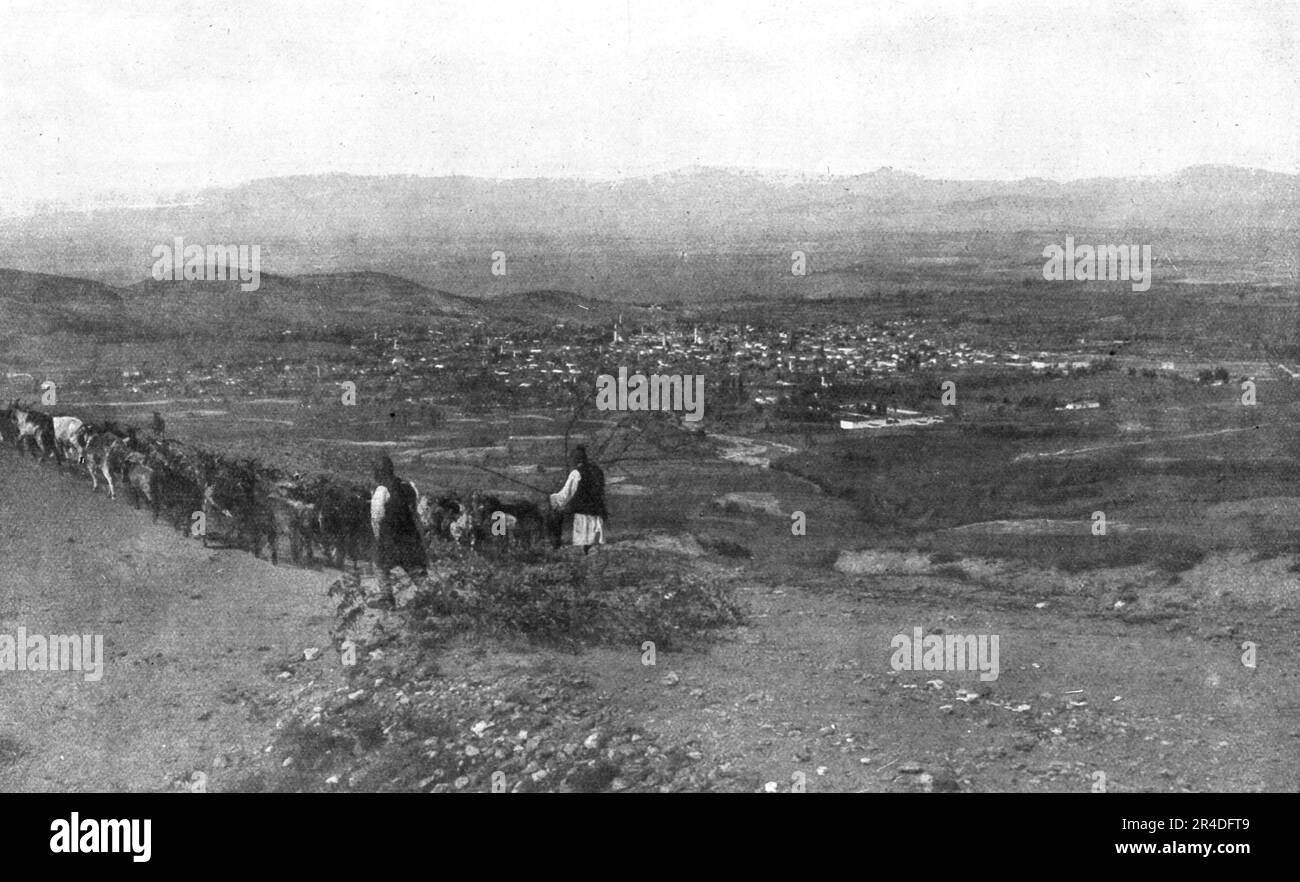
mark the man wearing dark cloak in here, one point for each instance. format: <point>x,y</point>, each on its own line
<point>396,527</point>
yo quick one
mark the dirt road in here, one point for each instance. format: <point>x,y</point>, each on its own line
<point>192,638</point>
<point>807,688</point>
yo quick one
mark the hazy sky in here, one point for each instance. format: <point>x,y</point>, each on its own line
<point>145,98</point>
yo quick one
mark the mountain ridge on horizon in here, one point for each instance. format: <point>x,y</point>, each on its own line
<point>632,240</point>
<point>185,197</point>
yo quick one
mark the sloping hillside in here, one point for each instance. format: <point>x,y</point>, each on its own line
<point>381,292</point>
<point>558,306</point>
<point>188,636</point>
<point>289,302</point>
<point>39,311</point>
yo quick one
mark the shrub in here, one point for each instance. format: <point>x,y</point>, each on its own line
<point>726,548</point>
<point>576,602</point>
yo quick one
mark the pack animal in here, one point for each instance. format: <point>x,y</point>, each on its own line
<point>296,518</point>
<point>36,430</point>
<point>436,515</point>
<point>69,435</point>
<point>8,425</point>
<point>343,523</point>
<point>96,450</point>
<point>237,492</point>
<point>142,482</point>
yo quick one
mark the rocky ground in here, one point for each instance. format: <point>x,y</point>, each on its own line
<point>799,697</point>
<point>225,673</point>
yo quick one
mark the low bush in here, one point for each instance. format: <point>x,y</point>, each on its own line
<point>596,600</point>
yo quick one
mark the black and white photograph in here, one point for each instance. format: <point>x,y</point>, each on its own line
<point>641,397</point>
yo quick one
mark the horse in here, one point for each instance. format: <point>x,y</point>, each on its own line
<point>467,528</point>
<point>37,429</point>
<point>69,434</point>
<point>238,492</point>
<point>343,523</point>
<point>8,424</point>
<point>437,515</point>
<point>295,516</point>
<point>524,520</point>
<point>97,446</point>
<point>123,445</point>
<point>508,519</point>
<point>142,481</point>
<point>180,477</point>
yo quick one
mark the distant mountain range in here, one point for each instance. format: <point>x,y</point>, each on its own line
<point>420,226</point>
<point>341,250</point>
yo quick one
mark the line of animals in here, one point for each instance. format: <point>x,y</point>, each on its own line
<point>252,505</point>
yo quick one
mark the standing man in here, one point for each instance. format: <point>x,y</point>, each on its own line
<point>583,494</point>
<point>396,527</point>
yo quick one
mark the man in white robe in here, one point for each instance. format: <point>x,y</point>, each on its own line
<point>583,494</point>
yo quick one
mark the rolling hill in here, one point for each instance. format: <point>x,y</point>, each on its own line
<point>38,309</point>
<point>557,306</point>
<point>290,302</point>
